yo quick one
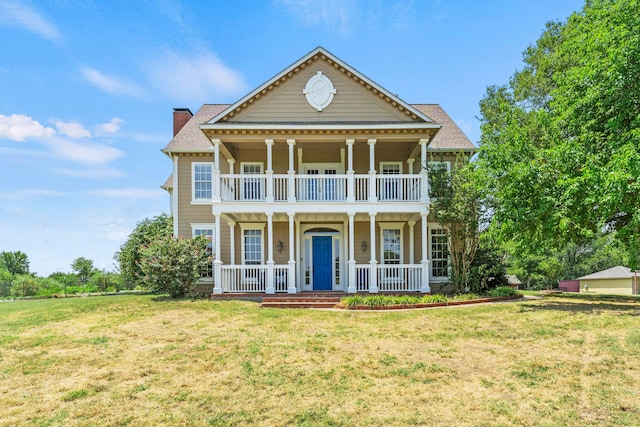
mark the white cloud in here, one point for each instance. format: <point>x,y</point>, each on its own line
<point>73,130</point>
<point>92,172</point>
<point>110,128</point>
<point>86,152</point>
<point>111,85</point>
<point>129,193</point>
<point>338,16</point>
<point>17,127</point>
<point>194,79</point>
<point>29,193</point>
<point>14,13</point>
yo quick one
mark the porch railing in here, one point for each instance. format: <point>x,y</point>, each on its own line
<point>321,188</point>
<point>253,278</point>
<point>390,278</point>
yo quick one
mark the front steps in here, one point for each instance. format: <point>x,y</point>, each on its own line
<point>316,300</point>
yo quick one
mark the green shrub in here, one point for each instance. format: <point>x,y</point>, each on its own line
<point>466,297</point>
<point>435,298</point>
<point>503,291</point>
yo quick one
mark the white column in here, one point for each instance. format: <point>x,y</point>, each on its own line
<point>423,170</point>
<point>410,163</point>
<point>292,260</point>
<point>291,196</point>
<point>215,174</point>
<point>270,262</point>
<point>412,258</point>
<point>269,171</point>
<point>372,171</point>
<point>353,286</point>
<point>298,245</point>
<point>373,284</point>
<point>424,287</point>
<point>232,182</point>
<point>217,263</point>
<point>351,187</point>
<point>232,241</point>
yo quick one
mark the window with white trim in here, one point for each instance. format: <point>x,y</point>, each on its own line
<point>439,253</point>
<point>391,246</point>
<point>207,231</point>
<point>390,186</point>
<point>252,187</point>
<point>202,181</point>
<point>252,247</point>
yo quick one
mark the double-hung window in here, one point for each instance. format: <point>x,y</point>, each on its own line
<point>439,253</point>
<point>391,238</point>
<point>202,181</point>
<point>390,185</point>
<point>207,231</point>
<point>252,187</point>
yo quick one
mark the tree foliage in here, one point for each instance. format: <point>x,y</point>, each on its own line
<point>15,262</point>
<point>146,232</point>
<point>455,204</point>
<point>84,268</point>
<point>173,265</point>
<point>560,142</point>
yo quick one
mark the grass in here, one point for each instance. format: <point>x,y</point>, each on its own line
<point>145,361</point>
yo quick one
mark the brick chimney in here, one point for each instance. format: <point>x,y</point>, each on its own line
<point>180,118</point>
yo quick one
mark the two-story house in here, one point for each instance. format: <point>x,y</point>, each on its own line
<point>315,180</point>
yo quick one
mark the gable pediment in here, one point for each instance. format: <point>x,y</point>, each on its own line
<point>344,96</point>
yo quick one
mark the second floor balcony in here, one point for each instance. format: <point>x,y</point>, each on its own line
<point>320,188</point>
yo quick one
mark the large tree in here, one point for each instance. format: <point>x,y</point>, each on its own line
<point>129,255</point>
<point>15,263</point>
<point>84,268</point>
<point>456,205</point>
<point>560,142</point>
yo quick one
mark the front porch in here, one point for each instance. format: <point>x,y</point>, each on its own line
<point>274,278</point>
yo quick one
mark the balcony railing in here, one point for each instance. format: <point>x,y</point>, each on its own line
<point>322,188</point>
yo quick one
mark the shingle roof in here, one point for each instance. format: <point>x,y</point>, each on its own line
<point>191,137</point>
<point>450,136</point>
<point>168,183</point>
<point>618,272</point>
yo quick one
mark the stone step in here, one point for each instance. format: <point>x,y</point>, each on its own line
<point>282,303</point>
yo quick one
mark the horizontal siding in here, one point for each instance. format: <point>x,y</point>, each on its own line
<point>352,102</point>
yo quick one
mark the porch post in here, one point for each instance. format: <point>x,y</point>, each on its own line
<point>412,258</point>
<point>269,171</point>
<point>270,262</point>
<point>372,171</point>
<point>292,261</point>
<point>298,244</point>
<point>424,286</point>
<point>217,262</point>
<point>215,173</point>
<point>232,241</point>
<point>351,193</point>
<point>423,170</point>
<point>353,286</point>
<point>291,180</point>
<point>410,163</point>
<point>373,283</point>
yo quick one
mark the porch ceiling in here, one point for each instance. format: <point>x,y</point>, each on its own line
<point>321,217</point>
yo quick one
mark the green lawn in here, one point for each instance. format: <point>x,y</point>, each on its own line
<point>565,360</point>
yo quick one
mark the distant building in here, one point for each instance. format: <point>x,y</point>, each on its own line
<point>616,280</point>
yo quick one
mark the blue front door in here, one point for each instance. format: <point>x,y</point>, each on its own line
<point>322,263</point>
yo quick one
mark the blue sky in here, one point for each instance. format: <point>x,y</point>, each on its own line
<point>87,90</point>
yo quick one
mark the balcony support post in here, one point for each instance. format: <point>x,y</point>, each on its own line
<point>291,288</point>
<point>291,179</point>
<point>270,289</point>
<point>269,171</point>
<point>373,263</point>
<point>424,286</point>
<point>372,171</point>
<point>215,173</point>
<point>353,286</point>
<point>217,263</point>
<point>351,186</point>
